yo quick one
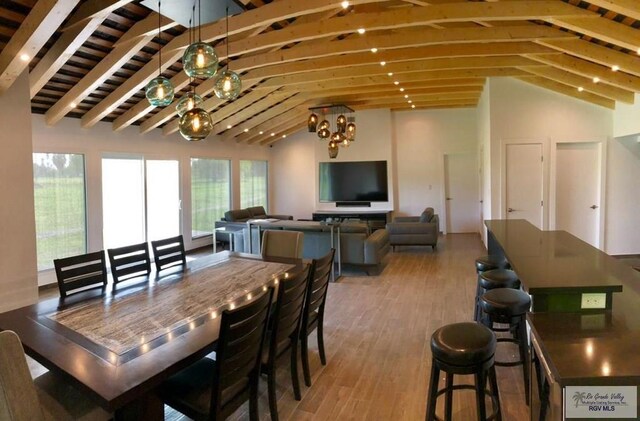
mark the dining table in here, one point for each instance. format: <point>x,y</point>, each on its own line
<point>119,343</point>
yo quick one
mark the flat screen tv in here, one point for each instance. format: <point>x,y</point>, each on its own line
<point>363,181</point>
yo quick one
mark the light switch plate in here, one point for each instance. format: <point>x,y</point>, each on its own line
<point>594,301</point>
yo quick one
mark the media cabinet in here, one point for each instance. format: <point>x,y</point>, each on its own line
<point>375,219</point>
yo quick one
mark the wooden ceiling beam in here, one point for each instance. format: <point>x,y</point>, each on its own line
<point>397,19</point>
<point>350,99</point>
<point>283,134</point>
<point>41,23</point>
<point>570,91</point>
<point>224,112</point>
<point>89,16</point>
<point>253,109</point>
<point>596,53</point>
<point>403,39</point>
<point>603,29</point>
<point>324,96</point>
<point>268,126</point>
<point>587,84</point>
<point>402,68</point>
<point>273,111</point>
<point>589,69</point>
<point>104,69</point>
<point>630,8</point>
<point>172,52</point>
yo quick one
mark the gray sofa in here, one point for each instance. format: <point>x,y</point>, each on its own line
<point>255,212</point>
<point>420,230</point>
<point>238,218</point>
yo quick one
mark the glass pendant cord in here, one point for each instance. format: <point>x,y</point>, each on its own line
<point>228,58</point>
<point>160,37</point>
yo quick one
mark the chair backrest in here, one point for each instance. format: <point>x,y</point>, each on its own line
<point>18,396</point>
<point>242,334</point>
<point>127,262</point>
<point>278,243</point>
<point>169,252</point>
<point>319,277</point>
<point>78,273</point>
<point>287,315</point>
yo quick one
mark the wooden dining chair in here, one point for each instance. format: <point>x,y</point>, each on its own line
<point>169,252</point>
<point>284,333</point>
<point>45,398</point>
<point>82,272</point>
<point>279,243</point>
<point>313,314</point>
<point>214,389</point>
<point>130,261</point>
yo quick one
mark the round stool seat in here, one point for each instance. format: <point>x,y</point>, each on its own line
<point>499,278</point>
<point>505,302</point>
<point>463,344</point>
<point>490,262</point>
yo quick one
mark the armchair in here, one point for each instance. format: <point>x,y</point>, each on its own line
<point>420,230</point>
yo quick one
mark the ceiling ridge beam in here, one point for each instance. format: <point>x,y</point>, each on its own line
<point>43,20</point>
<point>103,70</point>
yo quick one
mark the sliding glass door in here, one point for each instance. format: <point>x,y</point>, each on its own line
<point>140,200</point>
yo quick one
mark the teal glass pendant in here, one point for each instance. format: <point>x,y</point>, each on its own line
<point>159,92</point>
<point>227,85</point>
<point>195,124</point>
<point>189,101</point>
<point>200,60</point>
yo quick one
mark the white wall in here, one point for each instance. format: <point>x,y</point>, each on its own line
<point>18,275</point>
<point>68,137</point>
<point>626,118</point>
<point>483,118</point>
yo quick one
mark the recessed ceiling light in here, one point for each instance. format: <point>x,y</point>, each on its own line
<point>413,106</point>
<point>273,134</point>
<point>580,89</point>
<point>246,130</point>
<point>261,132</point>
<point>361,31</point>
<point>229,126</point>
<point>284,135</point>
<point>73,105</point>
<point>396,83</point>
<point>596,79</point>
<point>409,102</point>
<point>638,51</point>
<point>406,96</point>
<point>345,4</point>
<point>383,63</point>
<point>401,89</point>
<point>615,67</point>
<point>24,57</point>
<point>390,74</point>
<point>374,50</point>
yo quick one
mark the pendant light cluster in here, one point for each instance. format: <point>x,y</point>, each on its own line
<point>199,61</point>
<point>345,128</point>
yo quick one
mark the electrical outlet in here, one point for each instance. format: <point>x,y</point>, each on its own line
<point>595,300</point>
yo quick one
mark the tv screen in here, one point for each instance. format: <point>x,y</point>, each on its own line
<point>364,181</point>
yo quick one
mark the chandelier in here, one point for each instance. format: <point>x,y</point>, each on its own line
<point>345,127</point>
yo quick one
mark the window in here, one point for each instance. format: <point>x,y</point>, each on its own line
<point>140,200</point>
<point>210,194</point>
<point>253,184</point>
<point>60,206</point>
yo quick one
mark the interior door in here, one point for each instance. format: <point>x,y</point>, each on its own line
<point>461,190</point>
<point>578,185</point>
<point>523,180</point>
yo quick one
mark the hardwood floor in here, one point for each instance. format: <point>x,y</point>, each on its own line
<point>377,333</point>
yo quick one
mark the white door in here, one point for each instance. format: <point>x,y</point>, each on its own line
<point>461,190</point>
<point>523,182</point>
<point>578,184</point>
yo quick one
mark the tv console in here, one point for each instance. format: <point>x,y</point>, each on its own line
<point>375,219</point>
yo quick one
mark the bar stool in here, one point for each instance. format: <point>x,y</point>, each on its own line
<point>509,306</point>
<point>490,262</point>
<point>464,348</point>
<point>491,279</point>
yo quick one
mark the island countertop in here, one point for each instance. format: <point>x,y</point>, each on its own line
<point>596,347</point>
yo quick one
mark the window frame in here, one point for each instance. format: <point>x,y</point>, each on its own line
<point>229,191</point>
<point>267,196</point>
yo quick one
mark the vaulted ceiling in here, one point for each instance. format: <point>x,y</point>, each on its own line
<point>92,59</point>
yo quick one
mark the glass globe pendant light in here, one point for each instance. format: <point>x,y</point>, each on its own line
<point>323,130</point>
<point>312,123</point>
<point>159,91</point>
<point>200,59</point>
<point>228,84</point>
<point>333,149</point>
<point>341,123</point>
<point>195,124</point>
<point>189,101</point>
<point>351,131</point>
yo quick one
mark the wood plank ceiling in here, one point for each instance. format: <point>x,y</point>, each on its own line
<point>91,59</point>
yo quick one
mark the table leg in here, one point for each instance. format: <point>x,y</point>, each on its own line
<point>215,241</point>
<point>333,269</point>
<point>339,255</point>
<point>148,408</point>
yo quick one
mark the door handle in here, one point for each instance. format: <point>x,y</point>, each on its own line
<point>448,198</point>
<point>510,210</point>
<point>593,207</point>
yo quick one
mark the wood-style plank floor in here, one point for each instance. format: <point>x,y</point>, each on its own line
<point>377,332</point>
